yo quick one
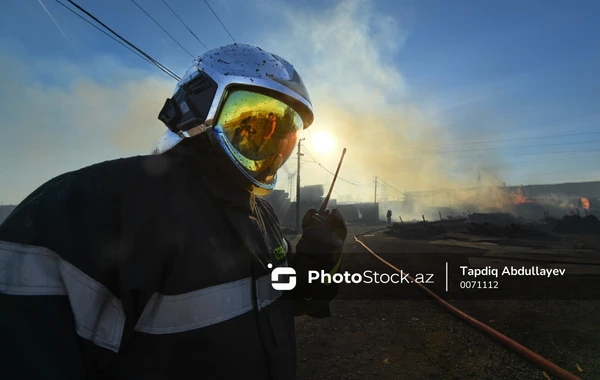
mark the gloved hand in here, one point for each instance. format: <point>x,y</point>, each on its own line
<point>325,233</point>
<point>320,249</point>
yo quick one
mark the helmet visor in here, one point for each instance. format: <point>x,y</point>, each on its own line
<point>259,133</point>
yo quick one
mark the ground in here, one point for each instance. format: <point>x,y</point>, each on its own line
<point>399,334</point>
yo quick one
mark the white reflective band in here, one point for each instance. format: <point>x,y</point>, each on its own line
<point>265,294</point>
<point>172,314</point>
<point>99,315</point>
<point>26,270</point>
<point>30,270</point>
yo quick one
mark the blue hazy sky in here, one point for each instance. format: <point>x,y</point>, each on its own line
<point>419,91</point>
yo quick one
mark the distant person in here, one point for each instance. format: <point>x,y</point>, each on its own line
<point>244,133</point>
<point>237,138</point>
<point>272,124</point>
<point>247,127</point>
<point>389,217</point>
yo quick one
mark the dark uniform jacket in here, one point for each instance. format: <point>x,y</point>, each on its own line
<point>151,267</point>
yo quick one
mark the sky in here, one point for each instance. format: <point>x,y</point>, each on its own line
<point>424,94</point>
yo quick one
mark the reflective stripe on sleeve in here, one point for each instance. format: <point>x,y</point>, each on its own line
<point>172,314</point>
<point>167,314</point>
<point>99,315</point>
<point>37,271</point>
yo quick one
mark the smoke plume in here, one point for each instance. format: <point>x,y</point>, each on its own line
<point>346,55</point>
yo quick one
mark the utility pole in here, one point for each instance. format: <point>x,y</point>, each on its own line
<point>298,186</point>
<point>375,198</point>
<point>433,196</point>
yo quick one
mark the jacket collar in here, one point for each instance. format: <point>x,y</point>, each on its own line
<point>214,170</point>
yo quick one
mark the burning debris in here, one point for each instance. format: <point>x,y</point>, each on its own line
<point>519,197</point>
<point>506,212</point>
<point>498,225</point>
<point>585,203</point>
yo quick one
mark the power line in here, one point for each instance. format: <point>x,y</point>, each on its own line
<point>330,172</point>
<point>566,156</point>
<point>220,21</point>
<point>537,175</point>
<point>184,24</point>
<point>102,31</point>
<point>592,178</point>
<point>513,139</point>
<point>163,29</point>
<point>155,62</point>
<point>432,193</point>
<point>56,23</point>
<point>390,186</point>
<point>536,153</point>
<point>341,179</point>
<point>432,153</point>
<point>521,146</point>
<point>436,153</point>
<point>429,193</point>
<point>516,154</point>
<point>350,182</point>
<point>570,154</point>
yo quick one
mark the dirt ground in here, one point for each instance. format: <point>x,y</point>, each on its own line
<point>394,333</point>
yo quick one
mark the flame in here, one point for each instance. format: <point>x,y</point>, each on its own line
<point>519,197</point>
<point>585,203</point>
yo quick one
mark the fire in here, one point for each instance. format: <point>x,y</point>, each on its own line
<point>519,197</point>
<point>585,203</point>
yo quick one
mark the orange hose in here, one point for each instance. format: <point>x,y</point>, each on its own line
<point>522,350</point>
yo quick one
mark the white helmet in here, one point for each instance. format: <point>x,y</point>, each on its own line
<point>253,104</point>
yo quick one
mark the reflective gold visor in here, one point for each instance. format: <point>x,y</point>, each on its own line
<point>259,133</point>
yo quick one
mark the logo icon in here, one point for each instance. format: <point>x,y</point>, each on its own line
<point>289,272</point>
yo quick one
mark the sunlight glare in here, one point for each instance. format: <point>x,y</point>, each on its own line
<point>322,142</point>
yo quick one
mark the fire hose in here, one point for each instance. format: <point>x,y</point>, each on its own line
<point>520,349</point>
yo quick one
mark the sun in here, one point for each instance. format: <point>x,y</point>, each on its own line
<point>322,142</point>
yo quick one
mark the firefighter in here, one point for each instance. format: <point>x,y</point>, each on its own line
<point>162,266</point>
<point>389,217</point>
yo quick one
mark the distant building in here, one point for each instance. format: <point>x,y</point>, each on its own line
<point>312,197</point>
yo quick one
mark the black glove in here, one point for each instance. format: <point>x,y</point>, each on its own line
<point>320,249</point>
<point>323,233</point>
